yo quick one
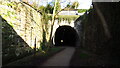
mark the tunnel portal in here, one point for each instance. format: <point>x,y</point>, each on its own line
<point>65,36</point>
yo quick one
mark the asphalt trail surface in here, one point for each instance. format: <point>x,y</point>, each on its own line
<point>62,58</point>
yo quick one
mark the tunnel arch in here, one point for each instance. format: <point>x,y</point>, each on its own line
<point>65,36</point>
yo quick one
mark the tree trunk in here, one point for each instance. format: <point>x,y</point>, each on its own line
<point>52,24</point>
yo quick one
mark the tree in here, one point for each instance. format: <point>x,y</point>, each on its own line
<point>68,6</point>
<point>56,10</point>
<point>58,6</point>
<point>53,19</point>
<point>49,9</point>
<point>42,8</point>
<point>34,5</point>
<point>75,4</point>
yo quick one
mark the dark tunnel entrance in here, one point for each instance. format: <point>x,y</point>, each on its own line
<point>65,36</point>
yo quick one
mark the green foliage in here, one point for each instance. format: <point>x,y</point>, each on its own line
<point>48,9</point>
<point>68,6</point>
<point>75,5</point>
<point>8,13</point>
<point>82,10</point>
<point>67,17</point>
<point>58,6</point>
<point>41,8</point>
<point>50,17</point>
<point>43,44</point>
<point>11,4</point>
<point>45,18</point>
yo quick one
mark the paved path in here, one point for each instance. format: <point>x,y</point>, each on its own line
<point>61,59</point>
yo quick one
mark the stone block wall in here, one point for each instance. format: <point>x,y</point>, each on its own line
<point>100,29</point>
<point>25,21</point>
<point>22,29</point>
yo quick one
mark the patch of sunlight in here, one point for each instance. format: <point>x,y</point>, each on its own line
<point>43,52</point>
<point>37,46</point>
<point>32,46</point>
<point>11,24</point>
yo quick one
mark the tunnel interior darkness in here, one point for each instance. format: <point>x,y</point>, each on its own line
<point>65,36</point>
